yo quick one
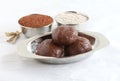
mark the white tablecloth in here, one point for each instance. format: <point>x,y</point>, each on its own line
<point>104,65</point>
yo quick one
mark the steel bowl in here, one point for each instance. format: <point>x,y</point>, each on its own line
<point>30,32</point>
<point>77,26</point>
<point>27,48</point>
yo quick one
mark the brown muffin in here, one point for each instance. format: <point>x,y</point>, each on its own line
<point>48,48</point>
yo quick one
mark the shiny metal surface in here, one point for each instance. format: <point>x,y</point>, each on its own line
<point>28,48</point>
<point>30,32</point>
<point>79,26</point>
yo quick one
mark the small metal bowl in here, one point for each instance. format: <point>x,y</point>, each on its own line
<point>34,24</point>
<point>27,48</point>
<point>30,32</point>
<point>77,26</point>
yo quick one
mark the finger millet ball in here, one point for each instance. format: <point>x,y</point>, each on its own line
<point>48,48</point>
<point>64,35</point>
<point>81,45</point>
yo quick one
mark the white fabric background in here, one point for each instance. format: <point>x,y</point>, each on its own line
<point>104,65</point>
